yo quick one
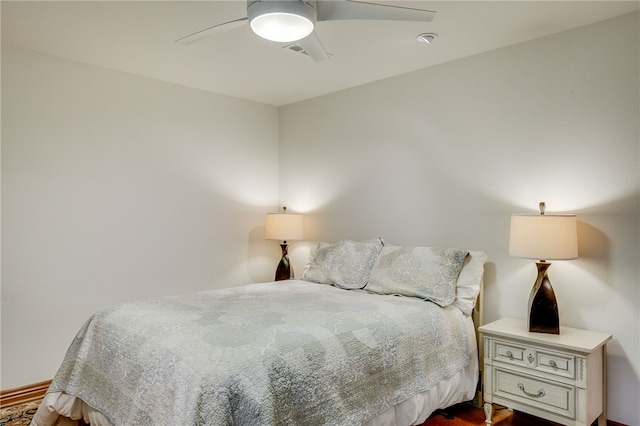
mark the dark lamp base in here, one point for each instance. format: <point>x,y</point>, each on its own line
<point>543,307</point>
<point>284,271</point>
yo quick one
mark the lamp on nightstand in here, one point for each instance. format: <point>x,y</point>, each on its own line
<point>544,237</point>
<point>284,227</point>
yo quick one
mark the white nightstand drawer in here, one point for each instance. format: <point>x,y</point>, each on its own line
<point>553,396</point>
<point>510,353</point>
<point>551,362</point>
<point>556,363</point>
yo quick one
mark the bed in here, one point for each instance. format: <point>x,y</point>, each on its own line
<point>372,334</point>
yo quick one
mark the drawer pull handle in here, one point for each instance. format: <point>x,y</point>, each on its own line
<point>553,364</point>
<point>540,393</point>
<point>509,354</point>
<point>530,358</point>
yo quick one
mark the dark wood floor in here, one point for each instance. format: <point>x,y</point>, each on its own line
<point>468,415</point>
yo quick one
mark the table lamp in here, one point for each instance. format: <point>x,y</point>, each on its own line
<point>543,237</point>
<point>284,227</point>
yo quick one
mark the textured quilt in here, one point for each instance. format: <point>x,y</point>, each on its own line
<point>287,353</point>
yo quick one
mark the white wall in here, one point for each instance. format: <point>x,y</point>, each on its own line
<point>116,187</point>
<point>443,156</point>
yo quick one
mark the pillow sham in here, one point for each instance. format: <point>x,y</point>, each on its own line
<point>425,272</point>
<point>469,281</point>
<point>346,264</point>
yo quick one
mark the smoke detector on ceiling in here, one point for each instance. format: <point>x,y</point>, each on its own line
<point>427,37</point>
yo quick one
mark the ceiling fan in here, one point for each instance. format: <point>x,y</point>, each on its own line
<point>294,20</point>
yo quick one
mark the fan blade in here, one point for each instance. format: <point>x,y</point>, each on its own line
<point>354,10</point>
<point>312,46</point>
<point>192,38</point>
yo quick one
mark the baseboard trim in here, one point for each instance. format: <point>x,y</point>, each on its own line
<point>23,394</point>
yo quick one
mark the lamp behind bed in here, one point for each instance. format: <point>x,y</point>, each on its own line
<point>284,227</point>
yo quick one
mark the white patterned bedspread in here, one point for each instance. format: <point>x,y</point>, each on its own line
<point>286,353</point>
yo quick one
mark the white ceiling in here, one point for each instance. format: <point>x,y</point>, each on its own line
<point>138,37</point>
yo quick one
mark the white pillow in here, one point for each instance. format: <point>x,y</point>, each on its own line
<point>346,264</point>
<point>428,273</point>
<point>469,281</point>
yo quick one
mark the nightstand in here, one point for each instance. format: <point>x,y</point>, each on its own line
<point>558,377</point>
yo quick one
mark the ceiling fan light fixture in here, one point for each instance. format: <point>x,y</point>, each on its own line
<point>281,21</point>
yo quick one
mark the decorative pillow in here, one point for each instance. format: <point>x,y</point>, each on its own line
<point>424,272</point>
<point>346,264</point>
<point>469,282</point>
